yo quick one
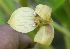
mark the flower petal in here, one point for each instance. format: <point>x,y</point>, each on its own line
<point>44,11</point>
<point>22,20</point>
<point>45,35</point>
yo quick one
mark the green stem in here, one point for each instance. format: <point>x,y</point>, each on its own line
<point>61,29</point>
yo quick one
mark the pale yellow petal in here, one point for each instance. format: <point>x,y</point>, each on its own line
<point>44,11</point>
<point>22,20</point>
<point>45,35</point>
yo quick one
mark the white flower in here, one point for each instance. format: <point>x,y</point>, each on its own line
<point>45,35</point>
<point>22,20</point>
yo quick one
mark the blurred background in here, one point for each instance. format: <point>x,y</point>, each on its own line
<point>60,15</point>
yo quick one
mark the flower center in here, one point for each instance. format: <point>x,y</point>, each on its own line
<point>41,22</point>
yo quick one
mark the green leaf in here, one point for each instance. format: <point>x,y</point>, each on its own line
<point>2,18</point>
<point>52,3</point>
<point>10,4</point>
<point>4,6</point>
<point>61,16</point>
<point>67,8</point>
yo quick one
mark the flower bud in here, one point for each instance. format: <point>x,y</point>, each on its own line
<point>44,12</point>
<point>22,20</point>
<point>45,35</point>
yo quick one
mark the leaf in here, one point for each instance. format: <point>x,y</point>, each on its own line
<point>67,8</point>
<point>52,3</point>
<point>4,6</point>
<point>61,16</point>
<point>10,4</point>
<point>2,18</point>
<point>55,4</point>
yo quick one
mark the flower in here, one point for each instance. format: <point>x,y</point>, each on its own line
<point>25,19</point>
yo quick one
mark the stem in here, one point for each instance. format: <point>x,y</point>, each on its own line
<point>61,29</point>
